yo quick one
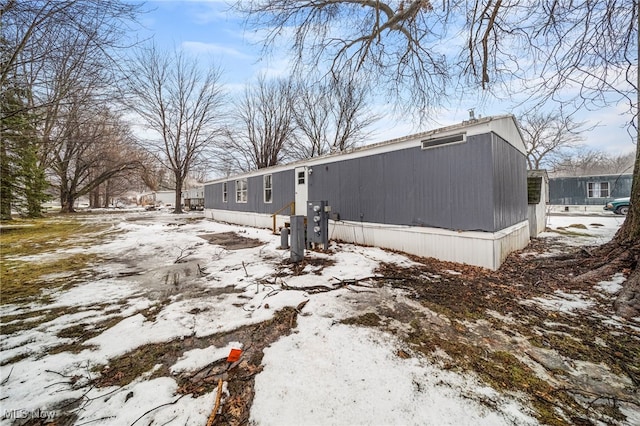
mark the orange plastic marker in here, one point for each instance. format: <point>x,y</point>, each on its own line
<point>234,355</point>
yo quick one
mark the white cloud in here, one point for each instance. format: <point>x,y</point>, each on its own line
<point>235,89</point>
<point>206,12</point>
<point>200,47</point>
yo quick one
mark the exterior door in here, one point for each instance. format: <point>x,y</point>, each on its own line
<point>302,190</point>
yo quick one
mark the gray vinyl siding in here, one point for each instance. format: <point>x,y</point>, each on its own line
<point>509,185</point>
<point>477,185</point>
<point>282,193</point>
<point>445,187</point>
<point>573,190</point>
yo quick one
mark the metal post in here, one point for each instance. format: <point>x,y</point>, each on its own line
<point>284,238</point>
<point>297,238</point>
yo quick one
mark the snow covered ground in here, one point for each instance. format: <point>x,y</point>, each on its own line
<point>324,373</point>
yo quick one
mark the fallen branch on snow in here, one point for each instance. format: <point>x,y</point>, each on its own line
<point>212,417</point>
<point>343,283</point>
<point>155,408</point>
<point>182,255</point>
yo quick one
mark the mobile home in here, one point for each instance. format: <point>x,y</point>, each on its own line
<point>458,193</point>
<point>193,198</point>
<point>594,190</point>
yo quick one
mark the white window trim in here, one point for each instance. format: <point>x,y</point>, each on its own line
<point>596,188</point>
<point>242,189</point>
<point>264,185</point>
<point>225,192</point>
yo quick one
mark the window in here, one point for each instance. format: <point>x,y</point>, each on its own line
<point>444,140</point>
<point>301,178</point>
<point>241,191</point>
<point>598,189</point>
<point>225,197</point>
<point>267,188</point>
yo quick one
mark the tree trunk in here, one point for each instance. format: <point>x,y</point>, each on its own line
<point>178,204</point>
<point>627,303</point>
<point>5,184</point>
<point>67,200</point>
<point>629,232</point>
<point>107,193</point>
<point>94,198</point>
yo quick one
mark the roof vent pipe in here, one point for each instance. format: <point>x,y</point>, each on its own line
<point>471,114</point>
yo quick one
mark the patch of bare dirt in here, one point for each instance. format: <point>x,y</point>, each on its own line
<point>231,240</point>
<point>575,367</point>
<point>155,360</point>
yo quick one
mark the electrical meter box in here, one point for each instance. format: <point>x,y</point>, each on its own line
<point>318,223</point>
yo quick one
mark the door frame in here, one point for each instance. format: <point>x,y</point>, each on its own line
<point>301,189</point>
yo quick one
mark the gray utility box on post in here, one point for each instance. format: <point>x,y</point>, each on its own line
<point>318,223</point>
<point>297,238</point>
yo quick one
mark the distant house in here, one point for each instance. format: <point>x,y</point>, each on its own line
<point>193,199</point>
<point>588,190</point>
<point>157,198</point>
<point>458,193</point>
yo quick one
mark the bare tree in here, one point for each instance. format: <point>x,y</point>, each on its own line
<point>93,147</point>
<point>593,162</point>
<point>37,33</point>
<point>332,116</point>
<point>264,125</point>
<point>396,43</point>
<point>549,137</point>
<point>581,163</point>
<point>51,48</point>
<point>575,53</point>
<point>153,174</point>
<point>105,194</point>
<point>414,48</point>
<point>622,163</point>
<point>181,102</point>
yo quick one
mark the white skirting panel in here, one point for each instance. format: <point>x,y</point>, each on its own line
<point>256,220</point>
<point>485,249</point>
<point>537,214</point>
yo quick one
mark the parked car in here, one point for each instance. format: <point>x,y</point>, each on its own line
<point>618,206</point>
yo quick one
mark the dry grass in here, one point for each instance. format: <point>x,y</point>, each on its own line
<point>42,242</point>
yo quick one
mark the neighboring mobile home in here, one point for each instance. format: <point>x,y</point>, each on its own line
<point>157,198</point>
<point>588,190</point>
<point>458,193</point>
<point>193,198</point>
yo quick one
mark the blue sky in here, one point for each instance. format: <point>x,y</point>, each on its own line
<point>210,29</point>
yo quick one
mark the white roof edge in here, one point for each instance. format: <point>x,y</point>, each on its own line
<point>504,126</point>
<point>594,176</point>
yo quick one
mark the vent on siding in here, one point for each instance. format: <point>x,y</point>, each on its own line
<point>444,140</point>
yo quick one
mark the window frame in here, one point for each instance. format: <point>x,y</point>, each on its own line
<point>267,190</point>
<point>242,190</point>
<point>597,189</point>
<point>225,192</point>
